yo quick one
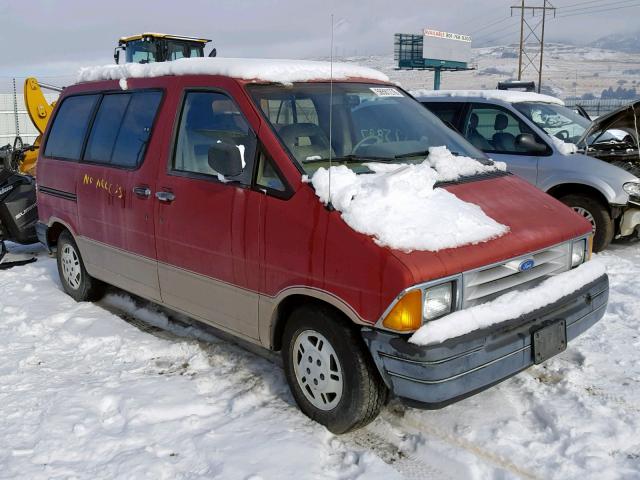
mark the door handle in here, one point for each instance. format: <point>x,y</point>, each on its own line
<point>142,192</point>
<point>167,197</point>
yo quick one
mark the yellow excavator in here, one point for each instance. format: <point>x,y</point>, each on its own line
<point>24,157</point>
<point>140,48</point>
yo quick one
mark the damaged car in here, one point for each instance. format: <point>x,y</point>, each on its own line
<point>593,167</point>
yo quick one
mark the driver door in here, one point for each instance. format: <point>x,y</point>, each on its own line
<point>207,233</point>
<point>495,131</point>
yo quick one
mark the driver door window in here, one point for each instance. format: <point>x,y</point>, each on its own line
<point>495,130</point>
<point>214,139</point>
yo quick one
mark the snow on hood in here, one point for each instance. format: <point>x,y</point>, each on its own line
<point>509,306</point>
<point>266,70</point>
<point>509,96</point>
<point>565,148</point>
<point>400,208</point>
<point>626,117</point>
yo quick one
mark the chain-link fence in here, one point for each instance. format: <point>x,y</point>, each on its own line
<point>597,107</point>
<point>14,120</point>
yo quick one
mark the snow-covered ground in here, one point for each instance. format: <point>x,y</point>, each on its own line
<point>121,390</point>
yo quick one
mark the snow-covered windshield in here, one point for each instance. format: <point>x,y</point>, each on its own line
<point>368,122</point>
<point>558,121</point>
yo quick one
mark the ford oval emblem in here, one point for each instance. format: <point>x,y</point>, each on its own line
<point>526,265</point>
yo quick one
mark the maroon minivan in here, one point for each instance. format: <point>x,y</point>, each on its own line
<point>185,183</point>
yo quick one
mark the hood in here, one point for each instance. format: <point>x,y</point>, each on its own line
<point>625,118</point>
<point>536,221</point>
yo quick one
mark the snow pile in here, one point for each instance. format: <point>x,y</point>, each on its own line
<point>265,70</point>
<point>563,147</point>
<point>509,96</point>
<point>509,306</point>
<point>399,206</point>
<point>451,167</point>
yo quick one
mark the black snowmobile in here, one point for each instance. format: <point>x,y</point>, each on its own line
<point>18,216</point>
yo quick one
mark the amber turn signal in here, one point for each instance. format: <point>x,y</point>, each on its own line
<point>589,247</point>
<point>406,315</point>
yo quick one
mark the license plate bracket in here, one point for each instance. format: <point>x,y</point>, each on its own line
<point>549,341</point>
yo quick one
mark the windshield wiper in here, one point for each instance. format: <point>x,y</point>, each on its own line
<point>421,153</point>
<point>350,159</point>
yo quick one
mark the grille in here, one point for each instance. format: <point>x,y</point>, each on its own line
<point>485,284</point>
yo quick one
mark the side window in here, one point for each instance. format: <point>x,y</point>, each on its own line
<point>135,132</point>
<point>494,129</point>
<point>122,128</point>
<point>447,112</point>
<point>70,127</point>
<point>268,176</point>
<point>215,139</point>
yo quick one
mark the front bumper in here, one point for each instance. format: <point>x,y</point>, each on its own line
<point>437,375</point>
<point>629,221</point>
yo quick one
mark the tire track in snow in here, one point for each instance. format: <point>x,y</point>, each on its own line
<point>405,463</point>
<point>418,427</point>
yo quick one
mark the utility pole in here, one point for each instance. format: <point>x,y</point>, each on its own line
<point>535,30</point>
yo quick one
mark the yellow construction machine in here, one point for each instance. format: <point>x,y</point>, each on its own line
<point>141,48</point>
<point>39,110</point>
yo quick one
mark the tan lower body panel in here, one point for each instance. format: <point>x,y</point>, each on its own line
<point>219,303</point>
<point>131,272</point>
<point>233,309</point>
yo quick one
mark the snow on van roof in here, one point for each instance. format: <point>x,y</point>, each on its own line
<point>265,70</point>
<point>509,96</point>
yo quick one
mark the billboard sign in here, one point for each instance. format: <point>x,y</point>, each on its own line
<point>445,46</point>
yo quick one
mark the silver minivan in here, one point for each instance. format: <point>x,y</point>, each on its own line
<point>536,135</point>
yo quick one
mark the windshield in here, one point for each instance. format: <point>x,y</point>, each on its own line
<point>559,121</point>
<point>368,123</point>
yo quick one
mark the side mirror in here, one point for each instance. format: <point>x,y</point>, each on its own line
<point>116,53</point>
<point>528,143</point>
<point>225,159</point>
<point>213,52</point>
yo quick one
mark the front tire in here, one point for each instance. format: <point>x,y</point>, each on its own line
<point>76,282</point>
<point>597,214</point>
<point>329,370</point>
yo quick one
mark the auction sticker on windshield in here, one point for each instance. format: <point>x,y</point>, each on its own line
<point>386,92</point>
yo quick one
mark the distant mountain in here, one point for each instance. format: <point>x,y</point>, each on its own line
<point>620,42</point>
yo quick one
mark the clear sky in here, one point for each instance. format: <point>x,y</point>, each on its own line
<point>53,38</point>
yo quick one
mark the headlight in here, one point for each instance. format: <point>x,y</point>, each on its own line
<point>437,301</point>
<point>418,306</point>
<point>578,252</point>
<point>632,188</point>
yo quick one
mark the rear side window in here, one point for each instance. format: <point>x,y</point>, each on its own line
<point>69,128</point>
<point>447,112</point>
<point>122,128</point>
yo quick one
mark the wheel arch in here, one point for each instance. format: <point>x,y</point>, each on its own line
<point>55,228</point>
<point>287,302</point>
<point>563,189</point>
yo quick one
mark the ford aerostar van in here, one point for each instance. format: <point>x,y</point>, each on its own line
<point>187,183</point>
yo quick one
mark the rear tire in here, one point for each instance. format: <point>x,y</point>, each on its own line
<point>76,282</point>
<point>330,371</point>
<point>597,214</point>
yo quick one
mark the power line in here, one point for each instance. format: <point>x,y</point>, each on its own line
<point>580,3</point>
<point>474,32</point>
<point>606,10</point>
<point>601,5</point>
